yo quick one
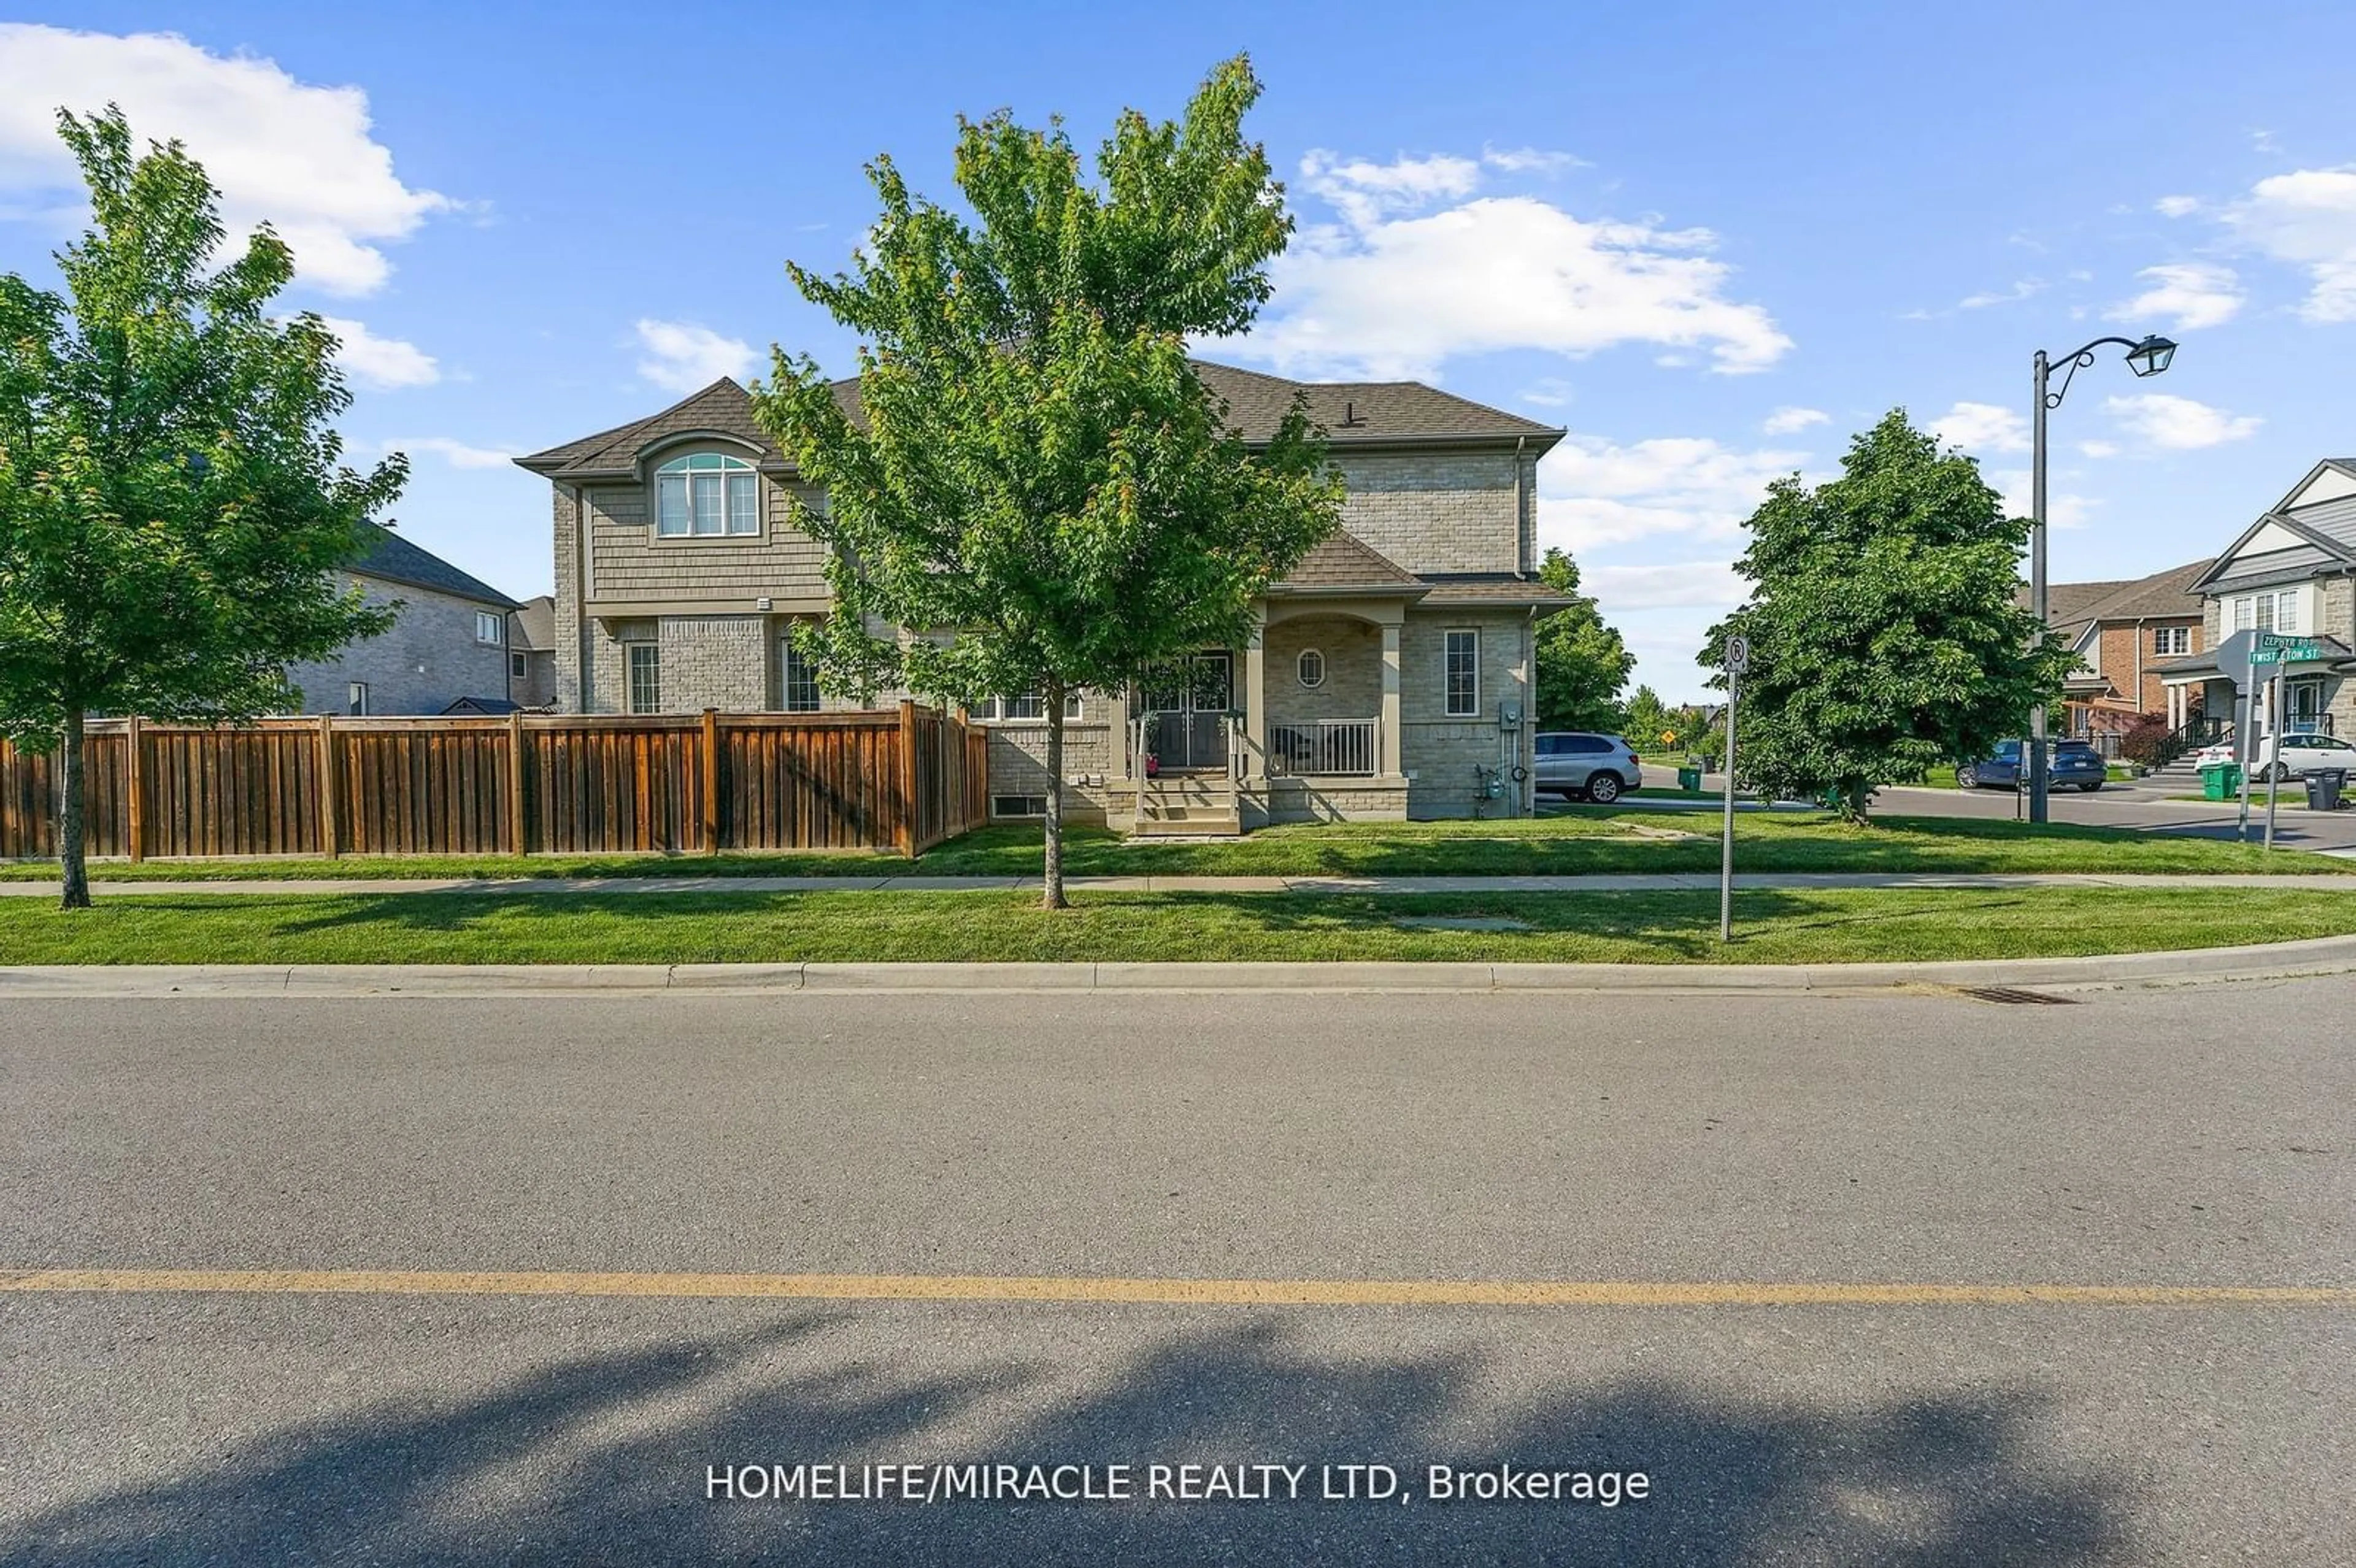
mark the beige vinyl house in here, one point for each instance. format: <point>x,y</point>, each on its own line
<point>1391,675</point>
<point>2293,571</point>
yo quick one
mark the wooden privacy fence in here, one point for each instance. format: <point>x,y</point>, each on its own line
<point>688,784</point>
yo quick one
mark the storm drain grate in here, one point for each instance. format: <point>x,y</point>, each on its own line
<point>2007,994</point>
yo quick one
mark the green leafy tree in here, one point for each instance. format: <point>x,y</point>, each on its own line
<point>1041,487</point>
<point>171,503</point>
<point>1582,663</point>
<point>1648,722</point>
<point>1884,634</point>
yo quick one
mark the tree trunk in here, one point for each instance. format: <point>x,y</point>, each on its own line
<point>1051,894</point>
<point>70,817</point>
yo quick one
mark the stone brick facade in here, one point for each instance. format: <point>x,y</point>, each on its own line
<point>430,659</point>
<point>1444,511</point>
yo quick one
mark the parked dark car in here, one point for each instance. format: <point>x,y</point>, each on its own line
<point>2067,764</point>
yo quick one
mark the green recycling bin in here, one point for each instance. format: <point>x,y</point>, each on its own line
<point>1689,780</point>
<point>2221,782</point>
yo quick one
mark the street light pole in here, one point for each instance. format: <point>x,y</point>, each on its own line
<point>2148,357</point>
<point>2037,600</point>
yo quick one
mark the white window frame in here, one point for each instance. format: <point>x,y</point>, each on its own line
<point>788,658</point>
<point>1002,710</point>
<point>732,480</point>
<point>630,660</point>
<point>519,666</point>
<point>495,625</point>
<point>1447,673</point>
<point>356,699</point>
<point>1301,665</point>
<point>2166,640</point>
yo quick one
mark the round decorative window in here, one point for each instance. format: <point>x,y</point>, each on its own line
<point>1312,668</point>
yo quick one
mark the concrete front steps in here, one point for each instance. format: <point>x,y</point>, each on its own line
<point>1187,805</point>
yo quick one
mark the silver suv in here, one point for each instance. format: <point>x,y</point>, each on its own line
<point>1572,762</point>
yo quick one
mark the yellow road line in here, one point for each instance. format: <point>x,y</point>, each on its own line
<point>1169,1292</point>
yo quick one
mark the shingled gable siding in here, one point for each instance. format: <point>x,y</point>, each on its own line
<point>630,563</point>
<point>1437,511</point>
<point>1441,750</point>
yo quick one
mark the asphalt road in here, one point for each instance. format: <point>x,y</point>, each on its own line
<point>2141,806</point>
<point>2184,1138</point>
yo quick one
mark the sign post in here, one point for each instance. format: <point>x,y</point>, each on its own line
<point>2275,650</point>
<point>1738,662</point>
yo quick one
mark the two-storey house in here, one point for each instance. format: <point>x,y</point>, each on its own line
<point>1390,675</point>
<point>2292,571</point>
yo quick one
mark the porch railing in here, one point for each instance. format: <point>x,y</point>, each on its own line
<point>1322,747</point>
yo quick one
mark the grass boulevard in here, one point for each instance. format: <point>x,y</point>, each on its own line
<point>1774,926</point>
<point>1587,841</point>
<point>1779,925</point>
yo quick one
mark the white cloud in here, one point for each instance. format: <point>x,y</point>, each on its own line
<point>456,454</point>
<point>301,157</point>
<point>2019,290</point>
<point>1548,393</point>
<point>2308,218</point>
<point>1525,160</point>
<point>1788,420</point>
<point>1394,290</point>
<point>1982,428</point>
<point>384,364</point>
<point>1596,492</point>
<point>1362,191</point>
<point>2064,509</point>
<point>1672,585</point>
<point>2188,296</point>
<point>684,357</point>
<point>2177,205</point>
<point>2099,448</point>
<point>2178,424</point>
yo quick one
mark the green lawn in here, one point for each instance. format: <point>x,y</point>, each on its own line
<point>1601,840</point>
<point>1813,926</point>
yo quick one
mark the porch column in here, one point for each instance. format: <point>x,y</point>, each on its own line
<point>1255,765</point>
<point>1388,733</point>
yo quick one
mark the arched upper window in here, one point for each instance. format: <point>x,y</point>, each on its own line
<point>705,495</point>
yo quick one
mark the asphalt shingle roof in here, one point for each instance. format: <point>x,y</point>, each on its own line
<point>1344,560</point>
<point>389,557</point>
<point>1354,414</point>
<point>535,625</point>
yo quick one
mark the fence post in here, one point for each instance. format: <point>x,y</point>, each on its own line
<point>711,781</point>
<point>908,778</point>
<point>328,844</point>
<point>517,843</point>
<point>135,815</point>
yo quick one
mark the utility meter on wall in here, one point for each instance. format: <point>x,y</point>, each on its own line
<point>1509,715</point>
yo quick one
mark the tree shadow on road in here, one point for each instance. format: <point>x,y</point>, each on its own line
<point>604,1459</point>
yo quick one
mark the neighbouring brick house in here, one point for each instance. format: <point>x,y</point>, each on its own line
<point>532,653</point>
<point>1392,676</point>
<point>2293,571</point>
<point>2123,632</point>
<point>447,645</point>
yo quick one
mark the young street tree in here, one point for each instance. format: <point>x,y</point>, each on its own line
<point>171,503</point>
<point>1582,663</point>
<point>1885,638</point>
<point>1037,486</point>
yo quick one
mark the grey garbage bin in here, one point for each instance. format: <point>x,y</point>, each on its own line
<point>2323,787</point>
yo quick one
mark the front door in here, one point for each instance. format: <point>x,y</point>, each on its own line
<point>2303,706</point>
<point>1186,713</point>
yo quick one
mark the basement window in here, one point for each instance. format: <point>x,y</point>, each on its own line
<point>1018,805</point>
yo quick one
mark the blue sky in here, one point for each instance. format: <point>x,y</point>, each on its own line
<point>1710,241</point>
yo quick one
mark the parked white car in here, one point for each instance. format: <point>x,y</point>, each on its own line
<point>2285,756</point>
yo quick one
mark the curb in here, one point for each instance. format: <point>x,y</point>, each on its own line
<point>2320,955</point>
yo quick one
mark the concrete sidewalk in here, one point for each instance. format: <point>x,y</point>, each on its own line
<point>1688,882</point>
